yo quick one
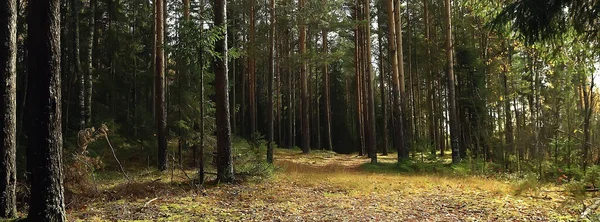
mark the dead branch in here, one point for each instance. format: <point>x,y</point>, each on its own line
<point>590,209</point>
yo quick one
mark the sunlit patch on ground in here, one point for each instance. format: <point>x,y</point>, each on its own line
<point>324,186</point>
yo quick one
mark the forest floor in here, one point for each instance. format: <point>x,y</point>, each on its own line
<point>324,186</point>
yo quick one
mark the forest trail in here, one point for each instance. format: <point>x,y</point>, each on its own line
<point>324,186</point>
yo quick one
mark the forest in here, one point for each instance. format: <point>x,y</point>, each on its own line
<point>299,110</point>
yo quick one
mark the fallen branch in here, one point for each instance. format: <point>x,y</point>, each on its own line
<point>562,191</point>
<point>150,201</point>
<point>590,209</point>
<point>117,159</point>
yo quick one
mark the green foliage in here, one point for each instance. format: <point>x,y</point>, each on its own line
<point>249,161</point>
<point>527,184</point>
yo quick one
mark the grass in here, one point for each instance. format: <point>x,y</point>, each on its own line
<point>323,186</point>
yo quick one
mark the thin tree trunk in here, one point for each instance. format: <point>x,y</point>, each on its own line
<point>370,89</point>
<point>44,148</point>
<point>161,121</point>
<point>327,94</point>
<point>454,129</point>
<point>358,81</point>
<point>8,108</point>
<point>89,81</point>
<point>75,4</point>
<point>304,84</point>
<point>270,79</point>
<point>252,70</point>
<point>380,21</point>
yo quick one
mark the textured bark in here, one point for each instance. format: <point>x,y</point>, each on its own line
<point>161,119</point>
<point>224,158</point>
<point>431,126</point>
<point>327,94</point>
<point>370,86</point>
<point>406,140</point>
<point>508,125</point>
<point>454,129</point>
<point>75,6</point>
<point>380,21</point>
<point>89,78</point>
<point>397,120</point>
<point>43,128</point>
<point>358,81</point>
<point>201,174</point>
<point>8,108</point>
<point>270,80</point>
<point>305,135</point>
<point>252,70</point>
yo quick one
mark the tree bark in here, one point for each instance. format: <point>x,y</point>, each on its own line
<point>44,148</point>
<point>358,81</point>
<point>270,80</point>
<point>161,120</point>
<point>75,5</point>
<point>370,88</point>
<point>396,67</point>
<point>327,94</point>
<point>89,78</point>
<point>454,129</point>
<point>252,70</point>
<point>224,158</point>
<point>406,141</point>
<point>380,22</point>
<point>305,113</point>
<point>8,108</point>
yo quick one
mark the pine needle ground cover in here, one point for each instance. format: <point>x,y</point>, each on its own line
<point>324,186</point>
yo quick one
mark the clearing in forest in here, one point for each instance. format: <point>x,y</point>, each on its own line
<point>325,186</point>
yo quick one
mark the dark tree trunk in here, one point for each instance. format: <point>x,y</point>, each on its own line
<point>380,22</point>
<point>327,95</point>
<point>161,119</point>
<point>396,67</point>
<point>454,129</point>
<point>8,108</point>
<point>75,5</point>
<point>305,113</point>
<point>224,158</point>
<point>252,70</point>
<point>44,149</point>
<point>358,81</point>
<point>89,80</point>
<point>270,80</point>
<point>370,95</point>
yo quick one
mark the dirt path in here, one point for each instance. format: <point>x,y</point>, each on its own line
<point>328,187</point>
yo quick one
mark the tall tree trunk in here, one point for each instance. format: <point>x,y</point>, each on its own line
<point>75,5</point>
<point>44,148</point>
<point>454,129</point>
<point>396,67</point>
<point>327,94</point>
<point>431,120</point>
<point>358,81</point>
<point>224,158</point>
<point>305,113</point>
<point>252,70</point>
<point>508,128</point>
<point>588,102</point>
<point>406,141</point>
<point>201,173</point>
<point>161,119</point>
<point>8,108</point>
<point>89,78</point>
<point>270,79</point>
<point>380,22</point>
<point>370,88</point>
